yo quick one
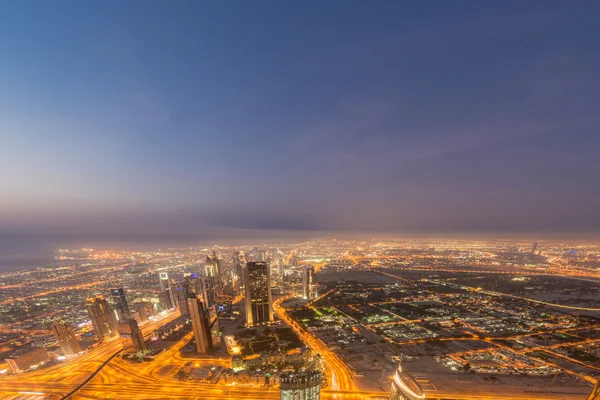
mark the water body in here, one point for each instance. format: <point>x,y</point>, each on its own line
<point>20,251</point>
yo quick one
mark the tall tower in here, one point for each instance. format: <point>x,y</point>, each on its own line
<point>165,291</point>
<point>194,284</point>
<point>262,255</point>
<point>301,386</point>
<point>180,290</point>
<point>136,336</point>
<point>208,283</point>
<point>237,265</point>
<point>118,295</point>
<point>259,304</point>
<point>103,317</point>
<point>200,324</point>
<point>129,329</point>
<point>405,387</point>
<point>280,260</point>
<point>307,283</point>
<point>66,337</point>
<point>214,269</point>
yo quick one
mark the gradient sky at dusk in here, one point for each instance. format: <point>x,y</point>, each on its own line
<point>187,117</point>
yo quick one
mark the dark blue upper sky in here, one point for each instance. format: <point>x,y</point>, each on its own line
<point>184,117</point>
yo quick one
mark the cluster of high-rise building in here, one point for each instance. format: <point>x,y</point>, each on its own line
<point>106,324</point>
<point>196,296</point>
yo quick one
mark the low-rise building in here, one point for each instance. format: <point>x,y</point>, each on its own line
<point>27,358</point>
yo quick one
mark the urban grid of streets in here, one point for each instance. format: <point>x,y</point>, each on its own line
<point>415,269</point>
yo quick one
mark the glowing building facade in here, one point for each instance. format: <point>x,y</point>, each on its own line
<point>257,284</point>
<point>300,386</point>
<point>405,387</point>
<point>66,337</point>
<point>102,316</point>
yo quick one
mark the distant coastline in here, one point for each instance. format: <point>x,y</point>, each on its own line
<point>20,262</point>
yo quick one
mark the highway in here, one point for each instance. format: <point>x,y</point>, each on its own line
<point>342,378</point>
<point>121,379</point>
<point>64,377</point>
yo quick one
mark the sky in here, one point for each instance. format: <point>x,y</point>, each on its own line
<point>193,118</point>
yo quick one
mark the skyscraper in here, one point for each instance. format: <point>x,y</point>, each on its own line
<point>214,268</point>
<point>257,282</point>
<point>164,280</point>
<point>180,291</point>
<point>194,284</point>
<point>129,329</point>
<point>168,298</point>
<point>118,295</point>
<point>280,261</point>
<point>164,301</point>
<point>66,337</point>
<point>144,309</point>
<point>200,324</point>
<point>307,283</point>
<point>262,255</point>
<point>103,317</point>
<point>237,265</point>
<point>300,386</point>
<point>405,387</point>
<point>210,281</point>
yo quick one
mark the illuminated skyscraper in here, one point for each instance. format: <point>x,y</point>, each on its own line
<point>214,269</point>
<point>212,278</point>
<point>102,316</point>
<point>164,301</point>
<point>300,386</point>
<point>194,283</point>
<point>262,255</point>
<point>120,301</point>
<point>166,296</point>
<point>405,387</point>
<point>180,291</point>
<point>237,265</point>
<point>280,261</point>
<point>129,329</point>
<point>200,324</point>
<point>307,283</point>
<point>164,280</point>
<point>66,337</point>
<point>257,282</point>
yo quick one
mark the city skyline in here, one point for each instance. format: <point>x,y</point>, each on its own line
<point>341,200</point>
<point>411,319</point>
<point>446,119</point>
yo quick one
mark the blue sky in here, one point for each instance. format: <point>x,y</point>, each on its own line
<point>185,117</point>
